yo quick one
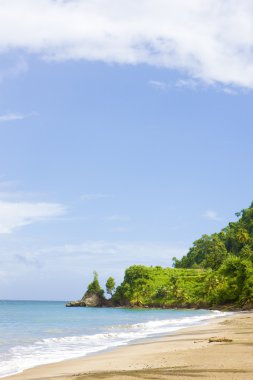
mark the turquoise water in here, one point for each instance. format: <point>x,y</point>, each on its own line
<point>36,332</point>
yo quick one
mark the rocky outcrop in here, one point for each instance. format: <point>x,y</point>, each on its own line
<point>75,304</point>
<point>88,300</point>
<point>93,300</point>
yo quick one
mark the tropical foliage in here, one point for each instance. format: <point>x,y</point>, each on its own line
<point>94,287</point>
<point>110,285</point>
<point>217,271</point>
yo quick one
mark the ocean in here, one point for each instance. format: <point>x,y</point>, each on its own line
<point>40,332</point>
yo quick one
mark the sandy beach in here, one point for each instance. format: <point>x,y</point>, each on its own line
<point>186,354</point>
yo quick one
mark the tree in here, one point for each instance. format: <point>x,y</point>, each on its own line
<point>110,285</point>
<point>247,253</point>
<point>207,252</point>
<point>242,235</point>
<point>94,287</point>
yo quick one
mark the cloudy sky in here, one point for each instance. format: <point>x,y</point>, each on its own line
<point>125,134</point>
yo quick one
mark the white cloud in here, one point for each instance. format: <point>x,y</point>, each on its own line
<point>26,270</point>
<point>212,215</point>
<point>15,116</point>
<point>9,190</point>
<point>97,252</point>
<point>188,83</point>
<point>159,84</point>
<point>18,214</point>
<point>229,91</point>
<point>149,252</point>
<point>211,40</point>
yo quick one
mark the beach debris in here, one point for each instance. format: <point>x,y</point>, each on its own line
<point>216,339</point>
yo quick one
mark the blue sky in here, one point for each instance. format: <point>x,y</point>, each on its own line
<point>118,150</point>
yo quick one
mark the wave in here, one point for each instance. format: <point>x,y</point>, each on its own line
<point>51,350</point>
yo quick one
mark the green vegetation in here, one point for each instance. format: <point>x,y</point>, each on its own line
<point>160,287</point>
<point>110,285</point>
<point>216,272</point>
<point>235,240</point>
<point>94,287</point>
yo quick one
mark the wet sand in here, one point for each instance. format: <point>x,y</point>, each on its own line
<point>186,354</point>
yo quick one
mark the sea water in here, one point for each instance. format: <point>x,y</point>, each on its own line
<point>39,332</point>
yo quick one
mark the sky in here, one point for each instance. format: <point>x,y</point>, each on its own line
<point>125,134</point>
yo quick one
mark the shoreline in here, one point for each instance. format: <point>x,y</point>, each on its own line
<point>185,354</point>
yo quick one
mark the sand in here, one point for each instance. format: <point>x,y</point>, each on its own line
<point>187,354</point>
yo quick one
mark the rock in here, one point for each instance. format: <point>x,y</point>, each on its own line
<point>89,300</point>
<point>75,304</point>
<point>92,300</point>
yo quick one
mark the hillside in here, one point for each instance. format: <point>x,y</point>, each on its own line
<point>216,272</point>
